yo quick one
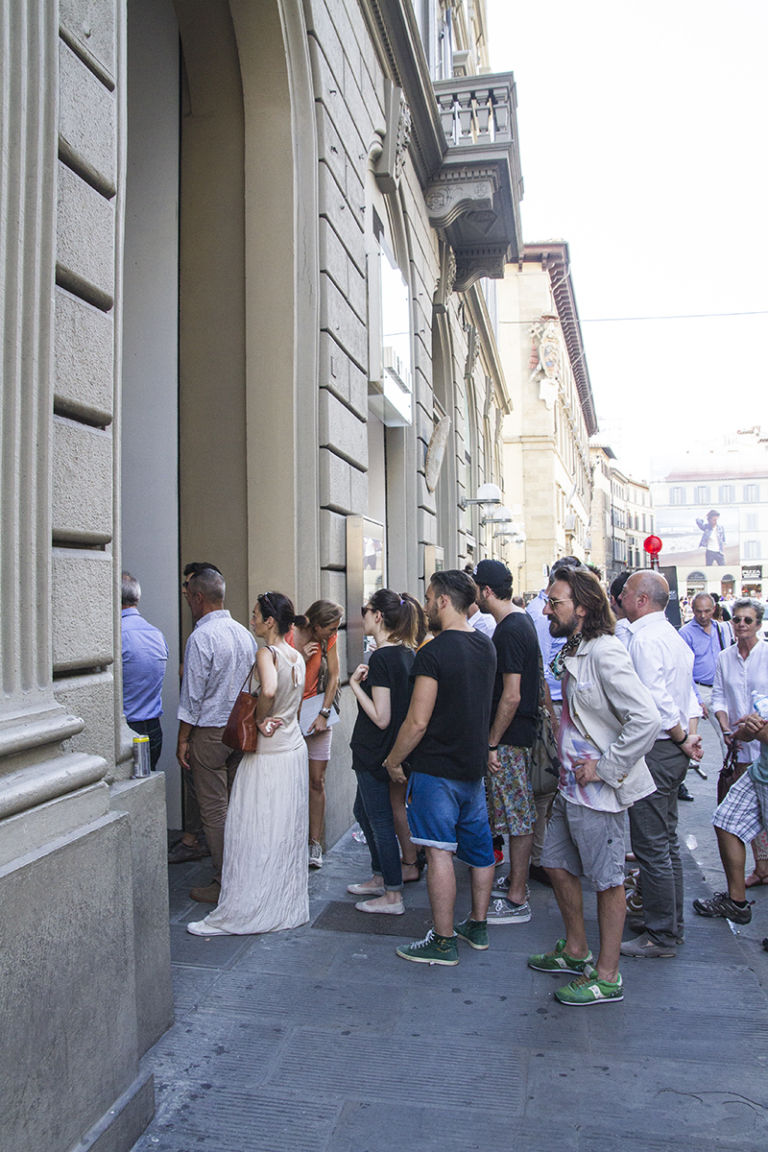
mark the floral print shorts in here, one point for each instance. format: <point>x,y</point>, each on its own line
<point>511,807</point>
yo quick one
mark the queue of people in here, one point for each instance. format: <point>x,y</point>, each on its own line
<point>449,716</point>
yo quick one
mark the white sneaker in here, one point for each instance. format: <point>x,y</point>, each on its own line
<point>315,854</point>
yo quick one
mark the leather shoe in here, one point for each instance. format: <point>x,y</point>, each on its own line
<point>208,895</point>
<point>181,853</point>
<point>684,794</point>
<point>646,946</point>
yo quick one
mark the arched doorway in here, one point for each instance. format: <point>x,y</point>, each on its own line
<point>219,416</point>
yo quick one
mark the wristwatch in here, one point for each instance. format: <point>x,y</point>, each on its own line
<point>325,712</point>
<point>492,747</point>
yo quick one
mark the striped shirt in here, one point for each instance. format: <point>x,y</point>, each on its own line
<point>217,657</point>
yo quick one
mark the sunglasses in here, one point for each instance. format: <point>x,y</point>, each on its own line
<point>553,603</point>
<point>743,619</point>
<point>366,608</point>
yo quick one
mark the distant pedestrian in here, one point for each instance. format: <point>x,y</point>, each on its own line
<point>706,638</point>
<point>145,654</point>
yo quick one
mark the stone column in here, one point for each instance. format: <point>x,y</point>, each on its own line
<point>31,721</point>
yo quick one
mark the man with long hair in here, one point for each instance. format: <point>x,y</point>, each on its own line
<point>608,723</point>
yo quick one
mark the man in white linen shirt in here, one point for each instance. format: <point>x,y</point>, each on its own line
<point>217,658</point>
<point>664,663</point>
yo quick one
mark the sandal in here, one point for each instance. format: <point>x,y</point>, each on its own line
<point>755,880</point>
<point>413,864</point>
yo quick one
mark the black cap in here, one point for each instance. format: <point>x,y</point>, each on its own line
<point>493,574</point>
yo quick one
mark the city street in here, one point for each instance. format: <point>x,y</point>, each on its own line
<point>322,1039</point>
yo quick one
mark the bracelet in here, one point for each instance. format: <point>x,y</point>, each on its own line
<point>325,712</point>
<point>492,747</point>
<point>680,743</point>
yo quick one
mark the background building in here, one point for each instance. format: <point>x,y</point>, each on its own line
<point>731,478</point>
<point>244,320</point>
<point>546,436</point>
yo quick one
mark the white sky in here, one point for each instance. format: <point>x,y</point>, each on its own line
<point>643,145</point>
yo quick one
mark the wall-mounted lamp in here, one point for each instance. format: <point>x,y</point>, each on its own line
<point>486,494</point>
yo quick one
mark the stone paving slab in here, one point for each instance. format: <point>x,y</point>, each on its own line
<point>323,1040</point>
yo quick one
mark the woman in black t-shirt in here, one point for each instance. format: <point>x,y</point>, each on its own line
<point>382,688</point>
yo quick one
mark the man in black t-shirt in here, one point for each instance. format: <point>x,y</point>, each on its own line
<point>444,738</point>
<point>512,732</point>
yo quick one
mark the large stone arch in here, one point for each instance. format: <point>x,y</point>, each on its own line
<point>248,298</point>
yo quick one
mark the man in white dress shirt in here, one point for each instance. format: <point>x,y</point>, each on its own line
<point>664,664</point>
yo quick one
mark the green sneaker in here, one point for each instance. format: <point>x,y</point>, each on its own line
<point>559,961</point>
<point>589,989</point>
<point>475,932</point>
<point>433,949</point>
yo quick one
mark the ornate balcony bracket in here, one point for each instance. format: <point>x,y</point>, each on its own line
<point>474,196</point>
<point>459,191</point>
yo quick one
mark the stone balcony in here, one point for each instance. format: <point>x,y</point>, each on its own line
<point>474,196</point>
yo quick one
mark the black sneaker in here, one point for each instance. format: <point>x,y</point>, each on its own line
<point>722,905</point>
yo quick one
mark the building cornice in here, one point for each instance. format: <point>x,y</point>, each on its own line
<point>554,259</point>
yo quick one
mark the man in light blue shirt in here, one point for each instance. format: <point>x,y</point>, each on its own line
<point>706,639</point>
<point>145,654</point>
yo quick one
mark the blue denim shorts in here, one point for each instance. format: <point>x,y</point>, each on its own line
<point>452,815</point>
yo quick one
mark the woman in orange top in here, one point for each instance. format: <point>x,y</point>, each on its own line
<point>314,634</point>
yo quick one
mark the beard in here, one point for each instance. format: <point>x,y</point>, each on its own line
<point>562,629</point>
<point>433,620</point>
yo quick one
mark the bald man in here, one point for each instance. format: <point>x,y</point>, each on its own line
<point>664,663</point>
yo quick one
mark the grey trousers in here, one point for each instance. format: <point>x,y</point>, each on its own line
<point>653,829</point>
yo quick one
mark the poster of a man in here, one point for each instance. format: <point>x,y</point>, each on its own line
<point>712,537</point>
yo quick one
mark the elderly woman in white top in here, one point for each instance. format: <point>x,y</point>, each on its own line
<point>741,670</point>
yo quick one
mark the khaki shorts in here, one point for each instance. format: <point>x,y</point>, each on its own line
<point>586,842</point>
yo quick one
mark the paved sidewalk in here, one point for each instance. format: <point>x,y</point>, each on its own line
<point>322,1039</point>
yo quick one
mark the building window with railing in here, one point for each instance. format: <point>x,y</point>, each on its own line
<point>751,493</point>
<point>701,494</point>
<point>726,494</point>
<point>677,495</point>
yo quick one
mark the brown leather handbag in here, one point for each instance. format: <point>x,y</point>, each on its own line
<point>241,732</point>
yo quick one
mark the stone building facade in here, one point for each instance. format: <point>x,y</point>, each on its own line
<point>245,261</point>
<point>546,436</point>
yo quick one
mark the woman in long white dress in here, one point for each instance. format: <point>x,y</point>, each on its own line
<point>264,884</point>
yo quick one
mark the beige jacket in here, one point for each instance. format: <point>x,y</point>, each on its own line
<point>612,708</point>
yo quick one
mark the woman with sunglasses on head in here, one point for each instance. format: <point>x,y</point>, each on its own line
<point>314,636</point>
<point>742,668</point>
<point>382,689</point>
<point>264,878</point>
